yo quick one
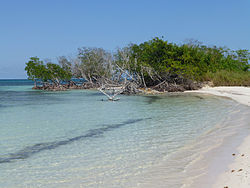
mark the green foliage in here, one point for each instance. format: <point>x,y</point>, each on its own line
<point>149,64</point>
<point>57,73</point>
<point>228,78</point>
<point>37,70</point>
<point>191,61</point>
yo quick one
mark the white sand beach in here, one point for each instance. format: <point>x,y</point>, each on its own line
<point>237,174</point>
<point>239,94</point>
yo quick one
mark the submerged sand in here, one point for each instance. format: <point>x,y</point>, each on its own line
<point>237,174</point>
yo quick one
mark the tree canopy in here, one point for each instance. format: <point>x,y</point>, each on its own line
<point>148,64</point>
<point>38,70</point>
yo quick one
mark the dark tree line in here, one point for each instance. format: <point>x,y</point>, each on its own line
<point>155,63</point>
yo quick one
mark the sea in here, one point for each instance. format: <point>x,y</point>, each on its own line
<point>78,138</point>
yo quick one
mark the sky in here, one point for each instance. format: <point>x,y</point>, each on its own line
<point>51,28</point>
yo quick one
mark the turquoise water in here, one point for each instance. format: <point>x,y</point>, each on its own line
<point>74,139</point>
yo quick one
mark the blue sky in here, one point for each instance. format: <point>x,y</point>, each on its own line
<point>51,28</point>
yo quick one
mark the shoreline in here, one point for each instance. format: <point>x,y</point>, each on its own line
<point>236,174</point>
<point>239,94</point>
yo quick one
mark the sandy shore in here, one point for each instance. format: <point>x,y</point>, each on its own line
<point>239,94</point>
<point>237,174</point>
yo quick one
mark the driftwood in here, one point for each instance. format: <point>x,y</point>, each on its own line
<point>177,87</point>
<point>111,97</point>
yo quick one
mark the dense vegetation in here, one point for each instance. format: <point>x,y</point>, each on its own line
<point>37,70</point>
<point>155,63</point>
<point>229,78</point>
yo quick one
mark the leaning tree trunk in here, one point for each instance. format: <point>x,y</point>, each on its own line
<point>143,79</point>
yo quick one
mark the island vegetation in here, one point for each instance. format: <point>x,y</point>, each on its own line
<point>156,64</point>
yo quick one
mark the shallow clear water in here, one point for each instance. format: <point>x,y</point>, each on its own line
<point>74,139</point>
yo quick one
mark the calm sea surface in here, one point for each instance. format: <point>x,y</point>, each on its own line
<point>74,139</point>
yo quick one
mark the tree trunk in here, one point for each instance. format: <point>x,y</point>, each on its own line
<point>143,79</point>
<point>90,80</point>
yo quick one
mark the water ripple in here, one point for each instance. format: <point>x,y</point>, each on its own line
<point>31,150</point>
